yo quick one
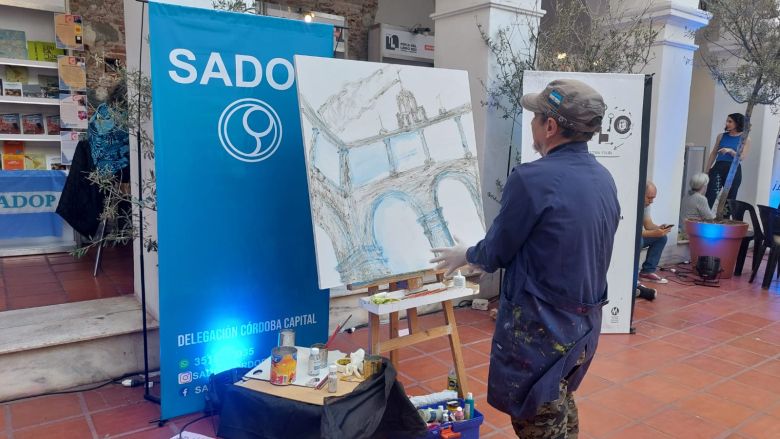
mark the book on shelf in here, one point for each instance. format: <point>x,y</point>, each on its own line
<point>50,86</point>
<point>53,124</point>
<point>33,124</point>
<point>13,44</point>
<point>13,147</point>
<point>12,88</point>
<point>17,74</point>
<point>35,161</point>
<point>43,51</point>
<point>54,162</point>
<point>10,124</point>
<point>13,162</point>
<point>32,91</point>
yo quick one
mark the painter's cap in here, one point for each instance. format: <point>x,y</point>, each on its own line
<point>573,104</point>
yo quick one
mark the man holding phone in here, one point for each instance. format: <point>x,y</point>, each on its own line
<point>654,238</point>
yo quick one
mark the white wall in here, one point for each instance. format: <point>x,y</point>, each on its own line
<point>701,107</point>
<point>37,25</point>
<point>133,38</point>
<point>406,13</point>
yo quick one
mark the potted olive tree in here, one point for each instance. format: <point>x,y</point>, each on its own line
<point>743,55</point>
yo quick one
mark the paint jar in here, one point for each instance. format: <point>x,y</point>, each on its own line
<point>287,337</point>
<point>314,362</point>
<point>323,354</point>
<point>459,281</point>
<point>372,364</point>
<point>284,362</point>
<point>333,379</point>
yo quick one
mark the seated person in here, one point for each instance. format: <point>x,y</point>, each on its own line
<point>695,205</point>
<point>654,238</point>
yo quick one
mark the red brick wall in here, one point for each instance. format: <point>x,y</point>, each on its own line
<point>359,14</point>
<point>104,36</point>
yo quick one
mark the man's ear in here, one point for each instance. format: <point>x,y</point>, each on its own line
<point>551,127</point>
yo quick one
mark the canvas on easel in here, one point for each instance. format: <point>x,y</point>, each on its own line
<point>392,166</point>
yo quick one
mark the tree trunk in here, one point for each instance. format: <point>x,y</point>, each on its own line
<point>724,193</point>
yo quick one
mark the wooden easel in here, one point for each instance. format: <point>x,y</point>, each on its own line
<point>416,334</point>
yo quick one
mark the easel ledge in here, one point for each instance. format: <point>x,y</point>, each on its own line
<point>414,279</point>
<point>416,333</point>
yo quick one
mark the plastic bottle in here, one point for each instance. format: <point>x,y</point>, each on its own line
<point>452,380</point>
<point>314,361</point>
<point>333,378</point>
<point>459,415</point>
<point>469,403</point>
<point>459,281</point>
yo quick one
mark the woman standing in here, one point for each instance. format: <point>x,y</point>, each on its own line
<point>723,154</point>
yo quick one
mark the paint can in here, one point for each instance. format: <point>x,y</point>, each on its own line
<point>372,364</point>
<point>287,337</point>
<point>284,362</point>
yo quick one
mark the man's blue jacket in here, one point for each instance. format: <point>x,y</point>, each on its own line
<point>554,236</point>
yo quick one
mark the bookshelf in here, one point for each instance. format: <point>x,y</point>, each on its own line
<point>28,101</point>
<point>36,20</point>
<point>28,63</point>
<point>31,137</point>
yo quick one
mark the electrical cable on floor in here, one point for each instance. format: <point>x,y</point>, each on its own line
<point>86,389</point>
<point>183,428</point>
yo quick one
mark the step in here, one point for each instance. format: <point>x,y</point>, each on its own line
<point>57,347</point>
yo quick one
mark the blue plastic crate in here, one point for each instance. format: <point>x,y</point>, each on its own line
<point>468,429</point>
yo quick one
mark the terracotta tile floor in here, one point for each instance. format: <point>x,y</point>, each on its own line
<point>705,363</point>
<point>39,280</point>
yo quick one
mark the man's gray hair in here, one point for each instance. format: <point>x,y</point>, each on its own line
<point>698,181</point>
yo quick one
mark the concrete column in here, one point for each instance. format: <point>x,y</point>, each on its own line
<point>672,64</point>
<point>459,45</point>
<point>457,34</point>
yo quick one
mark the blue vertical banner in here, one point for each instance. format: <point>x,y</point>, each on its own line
<point>236,245</point>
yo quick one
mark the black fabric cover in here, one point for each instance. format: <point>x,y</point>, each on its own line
<point>377,408</point>
<point>81,201</point>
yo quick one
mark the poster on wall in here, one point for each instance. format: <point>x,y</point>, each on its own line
<point>72,73</point>
<point>618,147</point>
<point>392,164</point>
<point>68,31</point>
<point>68,142</point>
<point>73,111</point>
<point>223,89</point>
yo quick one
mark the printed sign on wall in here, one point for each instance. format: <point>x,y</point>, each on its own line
<point>236,247</point>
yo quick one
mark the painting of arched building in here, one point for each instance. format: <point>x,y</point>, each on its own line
<point>392,166</point>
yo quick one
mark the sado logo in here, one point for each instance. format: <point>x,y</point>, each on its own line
<point>250,130</point>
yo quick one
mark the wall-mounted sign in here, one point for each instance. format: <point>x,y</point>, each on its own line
<point>68,31</point>
<point>406,44</point>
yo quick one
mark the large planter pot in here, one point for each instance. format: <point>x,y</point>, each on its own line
<point>721,240</point>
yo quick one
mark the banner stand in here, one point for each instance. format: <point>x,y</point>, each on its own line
<point>139,165</point>
<point>640,204</point>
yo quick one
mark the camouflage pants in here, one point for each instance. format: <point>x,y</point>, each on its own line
<point>553,420</point>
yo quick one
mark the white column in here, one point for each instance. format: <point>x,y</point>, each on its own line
<point>459,45</point>
<point>671,63</point>
<point>135,47</point>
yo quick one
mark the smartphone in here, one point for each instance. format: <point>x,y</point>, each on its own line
<point>667,226</point>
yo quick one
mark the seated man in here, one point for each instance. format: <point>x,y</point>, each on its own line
<point>654,238</point>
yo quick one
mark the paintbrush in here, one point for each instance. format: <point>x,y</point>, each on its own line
<point>338,329</point>
<point>322,383</point>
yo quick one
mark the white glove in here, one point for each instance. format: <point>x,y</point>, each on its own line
<point>450,258</point>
